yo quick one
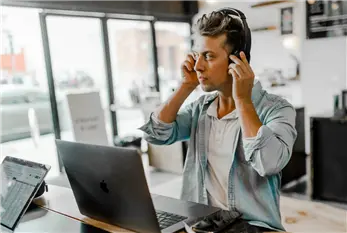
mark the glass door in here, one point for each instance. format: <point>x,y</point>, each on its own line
<point>131,53</point>
<point>78,65</point>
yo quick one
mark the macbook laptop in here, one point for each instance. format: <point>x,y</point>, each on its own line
<point>109,185</point>
<point>20,181</point>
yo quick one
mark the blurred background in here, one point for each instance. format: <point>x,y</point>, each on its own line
<point>130,54</point>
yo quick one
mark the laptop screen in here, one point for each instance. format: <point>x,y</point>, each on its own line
<point>21,180</point>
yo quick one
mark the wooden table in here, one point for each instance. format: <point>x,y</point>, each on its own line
<point>62,201</point>
<point>41,220</point>
<point>297,215</point>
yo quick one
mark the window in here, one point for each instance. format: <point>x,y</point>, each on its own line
<point>24,89</point>
<point>173,39</point>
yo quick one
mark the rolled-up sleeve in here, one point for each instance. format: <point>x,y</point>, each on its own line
<point>161,133</point>
<point>271,149</point>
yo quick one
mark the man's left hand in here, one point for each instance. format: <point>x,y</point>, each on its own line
<point>243,78</point>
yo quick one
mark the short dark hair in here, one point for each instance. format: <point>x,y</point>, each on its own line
<point>217,23</point>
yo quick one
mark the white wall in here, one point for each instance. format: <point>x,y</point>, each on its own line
<point>268,52</point>
<point>324,72</point>
<point>324,75</point>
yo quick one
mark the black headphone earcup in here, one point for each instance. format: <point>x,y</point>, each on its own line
<point>247,32</point>
<point>248,42</point>
<point>42,189</point>
<point>236,53</point>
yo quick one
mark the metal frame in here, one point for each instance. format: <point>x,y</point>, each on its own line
<point>107,55</point>
<point>50,80</point>
<point>99,15</point>
<point>132,17</point>
<point>155,56</point>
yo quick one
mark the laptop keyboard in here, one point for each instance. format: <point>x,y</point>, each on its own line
<point>167,219</point>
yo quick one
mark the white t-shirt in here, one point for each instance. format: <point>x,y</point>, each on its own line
<point>220,155</point>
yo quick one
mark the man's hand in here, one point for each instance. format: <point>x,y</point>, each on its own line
<point>189,75</point>
<point>243,78</point>
<point>168,111</point>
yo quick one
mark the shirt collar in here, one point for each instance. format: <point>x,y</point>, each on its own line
<point>212,111</point>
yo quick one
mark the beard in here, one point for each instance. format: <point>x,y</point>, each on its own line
<point>208,88</point>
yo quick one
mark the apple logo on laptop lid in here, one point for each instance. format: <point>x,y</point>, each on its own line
<point>103,186</point>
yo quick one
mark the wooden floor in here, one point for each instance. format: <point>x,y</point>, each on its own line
<point>308,216</point>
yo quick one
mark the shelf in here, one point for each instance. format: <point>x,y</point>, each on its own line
<point>268,28</point>
<point>270,2</point>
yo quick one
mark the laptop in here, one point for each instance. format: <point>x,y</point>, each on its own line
<point>20,181</point>
<point>109,185</point>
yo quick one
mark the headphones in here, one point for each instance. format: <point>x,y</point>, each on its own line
<point>43,188</point>
<point>246,40</point>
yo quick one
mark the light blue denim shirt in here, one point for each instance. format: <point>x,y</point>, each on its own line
<point>255,174</point>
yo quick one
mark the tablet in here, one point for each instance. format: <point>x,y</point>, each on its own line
<point>21,179</point>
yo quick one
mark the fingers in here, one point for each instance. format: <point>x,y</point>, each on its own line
<point>244,59</point>
<point>241,65</point>
<point>189,63</point>
<point>188,66</point>
<point>238,65</point>
<point>236,60</point>
<point>193,55</point>
<point>191,58</point>
<point>237,68</point>
<point>233,73</point>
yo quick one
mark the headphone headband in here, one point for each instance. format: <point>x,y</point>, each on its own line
<point>232,12</point>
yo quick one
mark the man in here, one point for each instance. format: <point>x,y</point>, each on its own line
<point>240,137</point>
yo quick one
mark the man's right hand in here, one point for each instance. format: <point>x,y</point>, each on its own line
<point>168,111</point>
<point>189,75</point>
